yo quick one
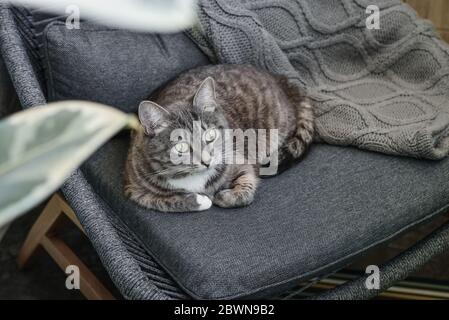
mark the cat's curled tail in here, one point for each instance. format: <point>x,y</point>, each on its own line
<point>297,145</point>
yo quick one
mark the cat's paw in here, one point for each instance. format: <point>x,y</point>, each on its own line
<point>203,202</point>
<point>228,198</point>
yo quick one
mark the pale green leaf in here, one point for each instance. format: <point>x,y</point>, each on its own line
<point>42,146</point>
<point>140,15</point>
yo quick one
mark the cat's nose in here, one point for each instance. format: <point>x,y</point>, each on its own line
<point>205,159</point>
<point>205,164</point>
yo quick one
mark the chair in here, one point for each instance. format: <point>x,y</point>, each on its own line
<point>312,220</point>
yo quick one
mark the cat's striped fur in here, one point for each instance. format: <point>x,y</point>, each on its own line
<point>243,98</point>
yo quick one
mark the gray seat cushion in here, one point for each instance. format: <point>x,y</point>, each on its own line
<point>115,67</point>
<point>314,218</point>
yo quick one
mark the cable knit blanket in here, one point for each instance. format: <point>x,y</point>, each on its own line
<point>384,89</point>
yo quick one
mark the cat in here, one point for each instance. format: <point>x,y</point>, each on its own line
<point>211,99</point>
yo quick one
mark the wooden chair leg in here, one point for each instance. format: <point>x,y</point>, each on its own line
<point>43,225</point>
<point>90,286</point>
<point>41,235</point>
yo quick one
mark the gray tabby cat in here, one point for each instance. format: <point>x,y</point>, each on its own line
<point>213,98</point>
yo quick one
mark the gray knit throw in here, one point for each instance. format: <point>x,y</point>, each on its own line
<point>384,90</point>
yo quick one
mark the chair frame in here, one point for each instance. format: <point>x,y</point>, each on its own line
<point>42,234</point>
<point>130,267</point>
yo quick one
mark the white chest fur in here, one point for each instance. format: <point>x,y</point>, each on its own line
<point>193,183</point>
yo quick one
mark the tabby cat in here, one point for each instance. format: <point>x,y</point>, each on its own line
<point>211,99</point>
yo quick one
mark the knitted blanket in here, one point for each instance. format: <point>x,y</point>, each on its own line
<point>383,89</point>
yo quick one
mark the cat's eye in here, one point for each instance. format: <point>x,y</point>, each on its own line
<point>182,147</point>
<point>210,135</point>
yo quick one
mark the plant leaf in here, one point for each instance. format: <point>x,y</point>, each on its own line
<point>139,15</point>
<point>42,146</point>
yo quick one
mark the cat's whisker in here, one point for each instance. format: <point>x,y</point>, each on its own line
<point>161,172</point>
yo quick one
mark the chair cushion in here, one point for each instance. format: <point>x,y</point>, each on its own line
<point>114,67</point>
<point>314,218</point>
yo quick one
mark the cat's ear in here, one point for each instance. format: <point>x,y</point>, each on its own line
<point>152,116</point>
<point>205,96</point>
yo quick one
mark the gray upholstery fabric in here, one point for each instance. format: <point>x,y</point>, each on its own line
<point>312,219</point>
<point>384,90</point>
<point>22,74</point>
<point>114,67</point>
<point>8,99</point>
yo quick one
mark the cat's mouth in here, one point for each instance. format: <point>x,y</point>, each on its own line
<point>203,168</point>
<point>192,171</point>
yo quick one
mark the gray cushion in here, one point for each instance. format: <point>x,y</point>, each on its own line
<point>314,218</point>
<point>115,67</point>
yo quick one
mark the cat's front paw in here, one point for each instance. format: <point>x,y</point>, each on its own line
<point>203,202</point>
<point>228,198</point>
